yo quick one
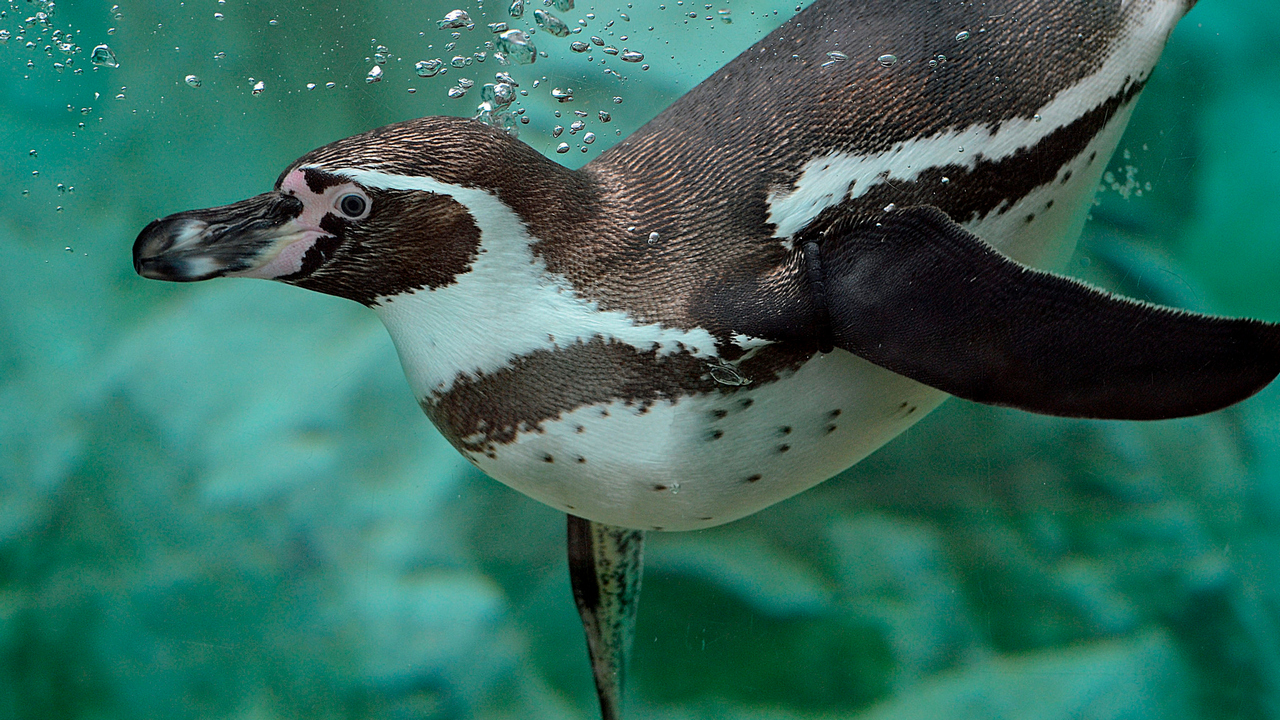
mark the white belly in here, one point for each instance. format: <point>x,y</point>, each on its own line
<point>709,459</point>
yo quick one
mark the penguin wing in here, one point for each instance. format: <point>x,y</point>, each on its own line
<point>912,291</point>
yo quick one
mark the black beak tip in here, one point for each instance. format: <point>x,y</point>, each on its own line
<point>140,247</point>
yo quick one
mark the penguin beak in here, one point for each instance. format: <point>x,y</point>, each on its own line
<point>238,239</point>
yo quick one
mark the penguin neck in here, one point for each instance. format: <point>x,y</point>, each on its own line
<point>506,304</point>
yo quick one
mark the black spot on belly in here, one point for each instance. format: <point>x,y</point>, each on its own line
<point>579,429</point>
<point>548,459</point>
<point>1066,176</point>
<point>716,435</point>
<point>831,429</point>
<point>705,518</point>
<point>911,409</point>
<point>784,430</point>
<point>581,460</point>
<point>783,448</point>
<point>836,413</point>
<point>1093,156</point>
<point>754,478</point>
<point>719,414</point>
<point>1030,218</point>
<point>659,488</point>
<point>1048,205</point>
<point>747,402</point>
<point>604,412</point>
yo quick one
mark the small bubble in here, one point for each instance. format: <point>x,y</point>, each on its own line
<point>330,85</point>
<point>562,148</point>
<point>888,60</point>
<point>617,100</point>
<point>428,68</point>
<point>518,46</point>
<point>589,138</point>
<point>551,23</point>
<point>579,46</point>
<point>457,92</point>
<point>517,8</point>
<point>563,95</point>
<point>218,16</point>
<point>654,237</point>
<point>890,207</point>
<point>962,36</point>
<point>375,74</point>
<point>311,86</point>
<point>632,56</point>
<point>193,81</point>
<point>258,87</point>
<point>103,57</point>
<point>1036,117</point>
<point>945,180</point>
<point>605,116</point>
<point>456,19</point>
<point>458,61</point>
<point>610,50</point>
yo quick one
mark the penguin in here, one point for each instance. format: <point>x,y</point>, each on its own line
<point>855,218</point>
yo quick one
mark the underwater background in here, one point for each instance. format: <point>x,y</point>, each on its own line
<point>220,500</point>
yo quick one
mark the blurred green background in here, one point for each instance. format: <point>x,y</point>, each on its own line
<point>220,500</point>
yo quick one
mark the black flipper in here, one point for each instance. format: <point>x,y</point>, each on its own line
<point>912,291</point>
<point>605,567</point>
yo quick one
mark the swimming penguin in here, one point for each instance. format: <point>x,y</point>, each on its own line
<point>789,266</point>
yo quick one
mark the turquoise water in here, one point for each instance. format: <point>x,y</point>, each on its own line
<point>220,500</point>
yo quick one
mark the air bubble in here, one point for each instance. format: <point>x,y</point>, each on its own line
<point>456,19</point>
<point>518,46</point>
<point>517,9</point>
<point>962,36</point>
<point>654,237</point>
<point>551,23</point>
<point>888,60</point>
<point>193,81</point>
<point>375,74</point>
<point>631,55</point>
<point>103,57</point>
<point>579,46</point>
<point>562,148</point>
<point>564,95</point>
<point>428,68</point>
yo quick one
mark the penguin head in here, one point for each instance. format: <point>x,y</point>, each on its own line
<point>369,216</point>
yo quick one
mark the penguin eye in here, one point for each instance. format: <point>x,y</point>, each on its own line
<point>353,205</point>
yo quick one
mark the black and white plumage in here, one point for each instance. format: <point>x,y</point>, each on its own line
<point>644,342</point>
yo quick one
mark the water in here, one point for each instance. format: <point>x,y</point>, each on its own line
<point>220,500</point>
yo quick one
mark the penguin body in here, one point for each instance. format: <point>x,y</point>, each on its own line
<point>736,302</point>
